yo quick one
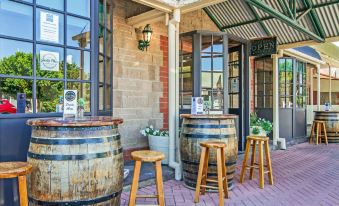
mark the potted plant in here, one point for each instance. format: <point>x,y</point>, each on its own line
<point>259,126</point>
<point>158,140</point>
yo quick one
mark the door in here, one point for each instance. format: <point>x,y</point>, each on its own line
<point>235,85</point>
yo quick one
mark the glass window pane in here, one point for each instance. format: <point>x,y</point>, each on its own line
<point>218,81</point>
<point>49,26</point>
<point>234,100</point>
<point>78,32</point>
<point>16,96</point>
<point>268,101</point>
<point>16,19</point>
<point>50,61</point>
<point>206,80</point>
<point>108,96</point>
<point>54,4</point>
<point>108,43</point>
<point>15,58</point>
<point>79,7</point>
<point>186,81</point>
<point>84,91</point>
<point>109,9</point>
<point>101,69</point>
<point>206,44</point>
<point>218,63</point>
<point>206,64</point>
<point>101,12</point>
<point>101,97</point>
<point>78,64</point>
<point>101,39</point>
<point>48,94</point>
<point>218,100</point>
<point>108,71</point>
<point>218,46</point>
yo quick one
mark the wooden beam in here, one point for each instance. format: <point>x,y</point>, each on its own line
<point>147,17</point>
<point>199,5</point>
<point>156,5</point>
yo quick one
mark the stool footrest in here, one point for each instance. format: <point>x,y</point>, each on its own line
<point>210,187</point>
<point>214,180</point>
<point>147,196</point>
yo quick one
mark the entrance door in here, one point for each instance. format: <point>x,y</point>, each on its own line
<point>235,85</point>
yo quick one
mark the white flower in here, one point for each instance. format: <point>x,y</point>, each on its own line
<point>147,130</point>
<point>151,126</point>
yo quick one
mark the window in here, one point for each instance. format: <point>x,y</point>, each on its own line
<point>263,74</point>
<point>286,66</point>
<point>301,94</point>
<point>49,49</point>
<point>185,76</point>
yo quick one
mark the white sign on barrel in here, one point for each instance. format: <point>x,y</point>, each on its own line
<point>70,102</point>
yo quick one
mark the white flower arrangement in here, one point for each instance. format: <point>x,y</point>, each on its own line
<point>149,130</point>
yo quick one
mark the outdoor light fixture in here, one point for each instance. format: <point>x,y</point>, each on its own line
<point>147,35</point>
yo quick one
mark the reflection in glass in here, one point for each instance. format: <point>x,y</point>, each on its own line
<point>84,91</point>
<point>18,18</point>
<point>54,4</point>
<point>101,97</point>
<point>185,82</point>
<point>206,63</point>
<point>79,7</point>
<point>101,69</point>
<point>48,94</point>
<point>78,64</point>
<point>49,26</point>
<point>16,96</point>
<point>108,97</point>
<point>206,80</point>
<point>108,43</point>
<point>15,58</point>
<point>50,61</point>
<point>78,32</point>
<point>101,39</point>
<point>108,71</point>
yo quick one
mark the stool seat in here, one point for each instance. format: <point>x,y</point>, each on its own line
<point>213,144</point>
<point>258,138</point>
<point>147,156</point>
<point>14,169</point>
<point>319,121</point>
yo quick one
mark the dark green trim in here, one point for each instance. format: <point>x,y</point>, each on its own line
<point>254,12</point>
<point>271,17</point>
<point>314,18</point>
<point>212,17</point>
<point>290,22</point>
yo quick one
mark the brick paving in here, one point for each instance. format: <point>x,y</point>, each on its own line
<point>303,175</point>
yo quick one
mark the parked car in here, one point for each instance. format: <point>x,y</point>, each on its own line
<point>6,107</point>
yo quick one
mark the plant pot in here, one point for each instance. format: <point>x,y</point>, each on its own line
<point>262,132</point>
<point>159,143</point>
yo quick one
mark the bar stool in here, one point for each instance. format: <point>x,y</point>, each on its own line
<point>147,156</point>
<point>260,140</point>
<point>319,127</point>
<point>17,170</point>
<point>221,170</point>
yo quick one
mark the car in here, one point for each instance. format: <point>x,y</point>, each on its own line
<point>6,107</point>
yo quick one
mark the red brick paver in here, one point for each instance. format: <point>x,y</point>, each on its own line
<point>303,175</point>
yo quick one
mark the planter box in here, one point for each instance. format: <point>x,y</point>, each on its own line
<point>261,133</point>
<point>159,143</point>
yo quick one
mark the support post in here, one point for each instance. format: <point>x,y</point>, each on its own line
<point>330,84</point>
<point>318,87</point>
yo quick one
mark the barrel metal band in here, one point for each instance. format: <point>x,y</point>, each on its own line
<point>207,136</point>
<point>73,141</point>
<point>78,128</point>
<point>76,202</point>
<point>209,164</point>
<point>74,157</point>
<point>204,126</point>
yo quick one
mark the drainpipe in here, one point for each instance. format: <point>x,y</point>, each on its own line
<point>173,50</point>
<point>330,82</point>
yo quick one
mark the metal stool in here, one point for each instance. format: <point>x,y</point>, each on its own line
<point>260,140</point>
<point>147,156</point>
<point>19,170</point>
<point>221,170</point>
<point>318,126</point>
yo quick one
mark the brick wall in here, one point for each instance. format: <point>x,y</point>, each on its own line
<point>164,80</point>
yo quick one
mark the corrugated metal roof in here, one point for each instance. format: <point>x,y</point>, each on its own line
<point>236,17</point>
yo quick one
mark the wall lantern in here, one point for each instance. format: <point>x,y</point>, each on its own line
<point>147,35</point>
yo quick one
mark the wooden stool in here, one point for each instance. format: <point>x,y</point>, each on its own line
<point>260,140</point>
<point>19,170</point>
<point>221,170</point>
<point>147,156</point>
<point>318,126</point>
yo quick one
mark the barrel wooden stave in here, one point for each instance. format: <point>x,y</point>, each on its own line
<point>331,120</point>
<point>94,176</point>
<point>225,131</point>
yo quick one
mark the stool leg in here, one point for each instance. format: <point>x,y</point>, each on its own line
<point>261,166</point>
<point>220,175</point>
<point>23,191</point>
<point>268,162</point>
<point>325,134</point>
<point>253,159</point>
<point>201,167</point>
<point>205,171</point>
<point>159,183</point>
<point>224,172</point>
<point>134,188</point>
<point>320,132</point>
<point>244,162</point>
<point>312,133</point>
<point>317,137</point>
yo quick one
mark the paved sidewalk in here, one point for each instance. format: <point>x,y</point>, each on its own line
<point>303,175</point>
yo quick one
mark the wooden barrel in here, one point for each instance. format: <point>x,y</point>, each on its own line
<point>198,128</point>
<point>331,119</point>
<point>75,162</point>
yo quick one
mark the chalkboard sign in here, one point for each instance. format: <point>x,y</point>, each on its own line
<point>264,46</point>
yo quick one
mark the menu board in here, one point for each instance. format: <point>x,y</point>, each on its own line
<point>49,27</point>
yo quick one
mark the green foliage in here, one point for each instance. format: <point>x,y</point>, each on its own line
<point>255,130</point>
<point>256,122</point>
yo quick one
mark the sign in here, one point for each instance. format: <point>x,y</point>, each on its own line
<point>21,103</point>
<point>234,85</point>
<point>49,61</point>
<point>264,46</point>
<point>49,27</point>
<point>70,102</point>
<point>197,105</point>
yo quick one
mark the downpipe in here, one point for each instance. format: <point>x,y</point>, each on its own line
<point>173,63</point>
